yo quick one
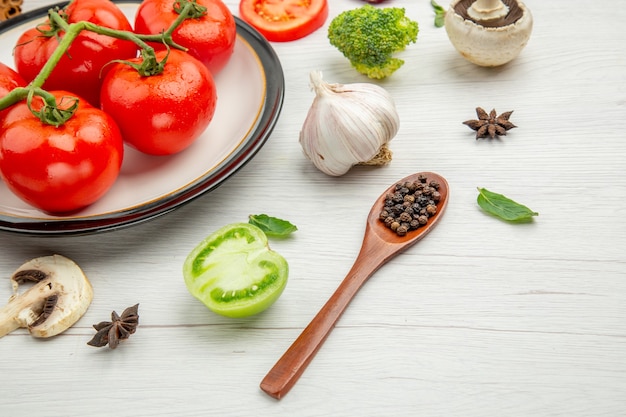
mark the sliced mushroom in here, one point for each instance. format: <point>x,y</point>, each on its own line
<point>60,295</point>
<point>488,33</point>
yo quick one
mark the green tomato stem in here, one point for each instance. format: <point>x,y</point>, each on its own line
<point>189,9</point>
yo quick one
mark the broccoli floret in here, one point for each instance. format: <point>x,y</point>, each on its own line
<point>369,36</point>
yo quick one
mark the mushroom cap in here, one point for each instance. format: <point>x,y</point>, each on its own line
<point>60,295</point>
<point>488,46</point>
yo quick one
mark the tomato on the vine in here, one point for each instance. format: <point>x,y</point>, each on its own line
<point>160,114</point>
<point>209,38</point>
<point>59,169</point>
<point>9,80</point>
<point>81,68</point>
<point>285,20</point>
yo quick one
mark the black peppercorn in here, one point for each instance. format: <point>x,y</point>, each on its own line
<point>405,217</point>
<point>410,205</point>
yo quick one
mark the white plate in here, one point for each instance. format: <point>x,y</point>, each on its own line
<point>250,95</point>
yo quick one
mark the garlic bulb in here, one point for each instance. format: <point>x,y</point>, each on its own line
<point>348,125</point>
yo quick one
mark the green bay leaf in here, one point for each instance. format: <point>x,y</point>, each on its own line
<point>503,207</point>
<point>272,226</point>
<point>440,14</point>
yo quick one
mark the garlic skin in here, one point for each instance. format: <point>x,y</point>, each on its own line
<point>348,125</point>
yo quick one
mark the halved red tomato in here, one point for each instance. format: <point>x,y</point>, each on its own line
<point>284,20</point>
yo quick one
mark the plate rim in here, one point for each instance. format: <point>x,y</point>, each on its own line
<point>258,134</point>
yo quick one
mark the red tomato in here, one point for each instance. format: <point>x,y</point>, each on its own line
<point>161,114</point>
<point>79,70</point>
<point>60,169</point>
<point>211,38</point>
<point>286,20</point>
<point>9,80</point>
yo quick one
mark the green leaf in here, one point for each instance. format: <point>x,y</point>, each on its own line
<point>440,21</point>
<point>440,14</point>
<point>272,226</point>
<point>503,207</point>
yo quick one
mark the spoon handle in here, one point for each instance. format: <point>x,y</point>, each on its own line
<point>285,373</point>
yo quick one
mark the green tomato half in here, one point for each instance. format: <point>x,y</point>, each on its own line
<point>234,272</point>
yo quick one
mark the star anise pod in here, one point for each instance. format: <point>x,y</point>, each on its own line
<point>119,328</point>
<point>490,124</point>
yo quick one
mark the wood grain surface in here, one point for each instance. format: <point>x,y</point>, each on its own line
<point>481,319</point>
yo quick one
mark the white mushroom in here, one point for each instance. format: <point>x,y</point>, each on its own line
<point>59,297</point>
<point>488,33</point>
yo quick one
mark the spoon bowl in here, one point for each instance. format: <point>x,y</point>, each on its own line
<point>389,239</point>
<point>380,244</point>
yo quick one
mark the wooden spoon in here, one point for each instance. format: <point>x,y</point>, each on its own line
<point>380,244</point>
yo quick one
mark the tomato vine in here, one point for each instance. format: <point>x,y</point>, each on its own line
<point>52,113</point>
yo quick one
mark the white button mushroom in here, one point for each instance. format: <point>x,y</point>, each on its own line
<point>488,33</point>
<point>59,297</point>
